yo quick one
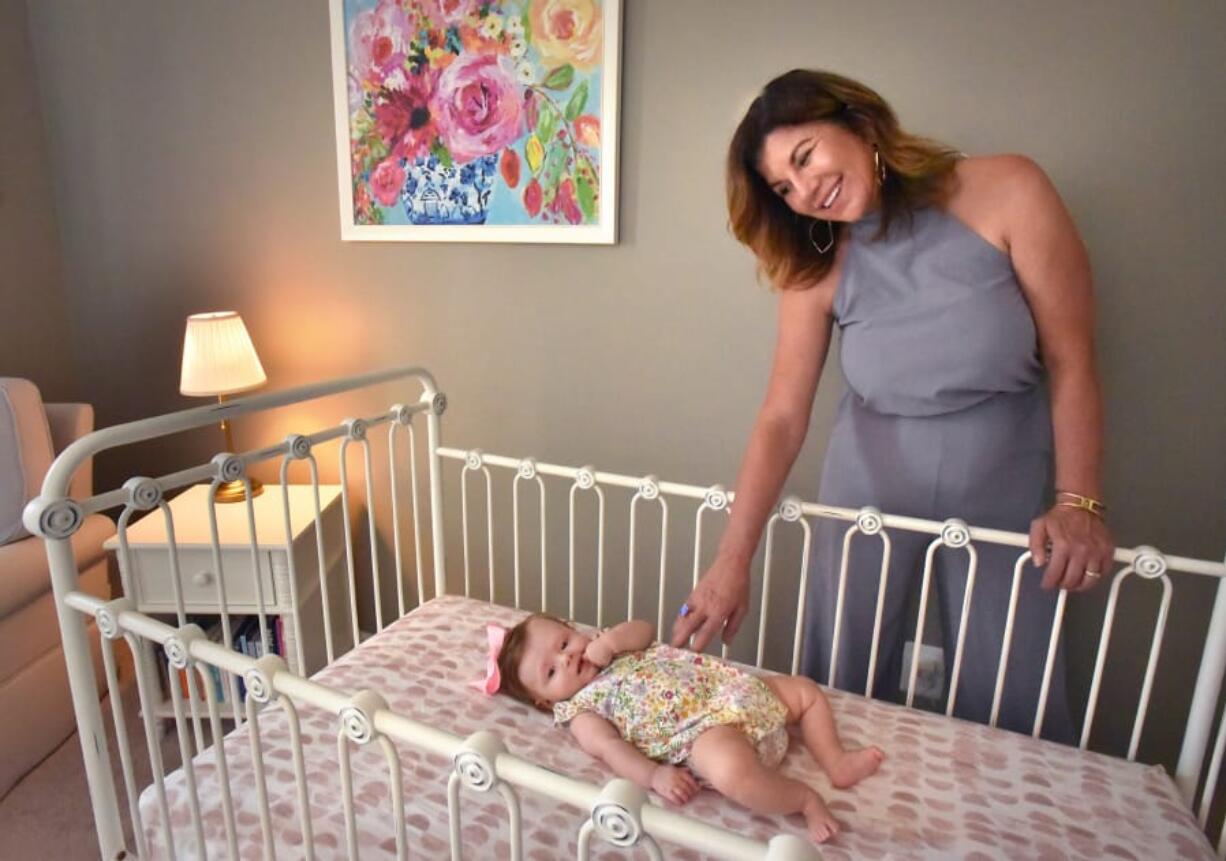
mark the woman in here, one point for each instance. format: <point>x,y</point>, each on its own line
<point>958,284</point>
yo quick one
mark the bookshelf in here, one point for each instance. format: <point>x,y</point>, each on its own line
<point>148,570</point>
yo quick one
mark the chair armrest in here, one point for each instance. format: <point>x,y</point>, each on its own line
<point>68,423</point>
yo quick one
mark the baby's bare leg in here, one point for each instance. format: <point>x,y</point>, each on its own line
<point>807,706</point>
<point>725,757</point>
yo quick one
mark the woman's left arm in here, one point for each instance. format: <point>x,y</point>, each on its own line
<point>1054,270</point>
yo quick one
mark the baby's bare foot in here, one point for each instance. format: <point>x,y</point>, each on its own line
<point>855,765</point>
<point>822,826</point>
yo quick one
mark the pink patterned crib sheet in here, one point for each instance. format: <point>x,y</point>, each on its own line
<point>948,788</point>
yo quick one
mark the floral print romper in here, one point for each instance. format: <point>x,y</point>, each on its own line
<point>662,698</point>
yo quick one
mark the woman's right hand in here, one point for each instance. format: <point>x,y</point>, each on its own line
<point>719,602</point>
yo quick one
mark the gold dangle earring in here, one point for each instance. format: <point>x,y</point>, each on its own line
<point>821,249</point>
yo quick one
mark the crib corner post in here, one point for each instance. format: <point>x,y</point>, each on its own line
<point>55,519</point>
<point>1204,701</point>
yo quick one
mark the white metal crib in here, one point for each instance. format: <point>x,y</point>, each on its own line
<point>620,813</point>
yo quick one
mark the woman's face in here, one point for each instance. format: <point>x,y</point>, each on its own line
<point>821,170</point>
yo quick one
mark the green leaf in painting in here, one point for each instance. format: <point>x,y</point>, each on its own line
<point>578,101</point>
<point>551,172</point>
<point>587,197</point>
<point>441,152</point>
<point>547,122</point>
<point>560,78</point>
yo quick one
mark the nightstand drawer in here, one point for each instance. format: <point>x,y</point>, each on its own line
<point>151,580</point>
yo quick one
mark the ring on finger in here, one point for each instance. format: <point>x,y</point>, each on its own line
<point>1094,574</point>
<point>684,611</point>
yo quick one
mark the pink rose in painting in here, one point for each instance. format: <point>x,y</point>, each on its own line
<point>403,116</point>
<point>477,106</point>
<point>377,41</point>
<point>446,12</point>
<point>386,180</point>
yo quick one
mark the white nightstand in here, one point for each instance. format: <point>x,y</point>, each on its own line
<point>150,574</point>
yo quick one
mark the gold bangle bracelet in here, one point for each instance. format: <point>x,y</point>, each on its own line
<point>1087,502</point>
<point>1091,505</point>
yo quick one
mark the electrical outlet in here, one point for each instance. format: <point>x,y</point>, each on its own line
<point>930,680</point>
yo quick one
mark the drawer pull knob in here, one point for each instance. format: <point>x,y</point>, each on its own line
<point>203,578</point>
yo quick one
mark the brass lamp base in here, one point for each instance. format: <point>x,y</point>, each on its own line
<point>234,491</point>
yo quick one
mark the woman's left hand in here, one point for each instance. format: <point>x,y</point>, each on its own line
<point>1075,545</point>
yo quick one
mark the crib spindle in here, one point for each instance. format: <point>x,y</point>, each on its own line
<point>179,658</point>
<point>802,590</point>
<point>347,512</point>
<point>109,632</point>
<point>359,429</point>
<point>953,533</point>
<point>261,778</point>
<point>1150,565</point>
<point>585,479</point>
<point>223,605</point>
<point>767,569</point>
<point>143,663</point>
<point>396,779</point>
<point>1006,642</point>
<point>869,522</point>
<point>421,582</point>
<point>836,636</point>
<point>918,642</point>
<point>649,489</point>
<point>219,758</point>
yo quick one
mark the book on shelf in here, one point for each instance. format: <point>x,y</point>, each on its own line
<point>245,638</point>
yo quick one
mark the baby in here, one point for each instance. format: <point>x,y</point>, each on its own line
<point>646,710</point>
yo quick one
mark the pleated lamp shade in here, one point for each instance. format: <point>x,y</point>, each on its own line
<point>218,356</point>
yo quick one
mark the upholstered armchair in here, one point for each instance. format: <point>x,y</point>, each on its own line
<point>35,705</point>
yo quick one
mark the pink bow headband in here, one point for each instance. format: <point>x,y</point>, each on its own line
<point>495,635</point>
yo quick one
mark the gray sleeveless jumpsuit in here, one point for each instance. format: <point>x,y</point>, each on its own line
<point>944,416</point>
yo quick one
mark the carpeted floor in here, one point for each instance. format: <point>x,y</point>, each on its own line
<point>48,813</point>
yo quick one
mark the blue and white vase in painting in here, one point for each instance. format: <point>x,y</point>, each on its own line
<point>435,193</point>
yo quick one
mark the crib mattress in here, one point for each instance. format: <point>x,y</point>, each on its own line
<point>948,788</point>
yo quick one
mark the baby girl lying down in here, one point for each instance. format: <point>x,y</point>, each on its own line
<point>647,710</point>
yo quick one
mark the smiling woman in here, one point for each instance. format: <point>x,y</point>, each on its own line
<point>960,287</point>
<point>823,120</point>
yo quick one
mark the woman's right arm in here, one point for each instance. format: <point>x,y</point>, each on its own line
<point>721,598</point>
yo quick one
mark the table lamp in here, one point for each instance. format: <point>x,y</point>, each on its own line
<point>219,359</point>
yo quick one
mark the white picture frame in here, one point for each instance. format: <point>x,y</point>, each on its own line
<point>399,119</point>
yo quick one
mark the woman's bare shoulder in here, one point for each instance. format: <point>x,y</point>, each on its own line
<point>990,193</point>
<point>991,175</point>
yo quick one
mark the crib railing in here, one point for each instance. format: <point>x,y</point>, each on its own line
<point>620,812</point>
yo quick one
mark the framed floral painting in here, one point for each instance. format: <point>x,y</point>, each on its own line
<point>477,120</point>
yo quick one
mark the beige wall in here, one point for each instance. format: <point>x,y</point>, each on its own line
<point>193,154</point>
<point>34,318</point>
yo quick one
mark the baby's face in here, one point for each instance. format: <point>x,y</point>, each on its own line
<point>553,667</point>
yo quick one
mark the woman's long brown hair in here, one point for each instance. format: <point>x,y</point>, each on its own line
<point>917,170</point>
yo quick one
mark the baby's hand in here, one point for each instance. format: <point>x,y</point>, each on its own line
<point>599,652</point>
<point>675,785</point>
